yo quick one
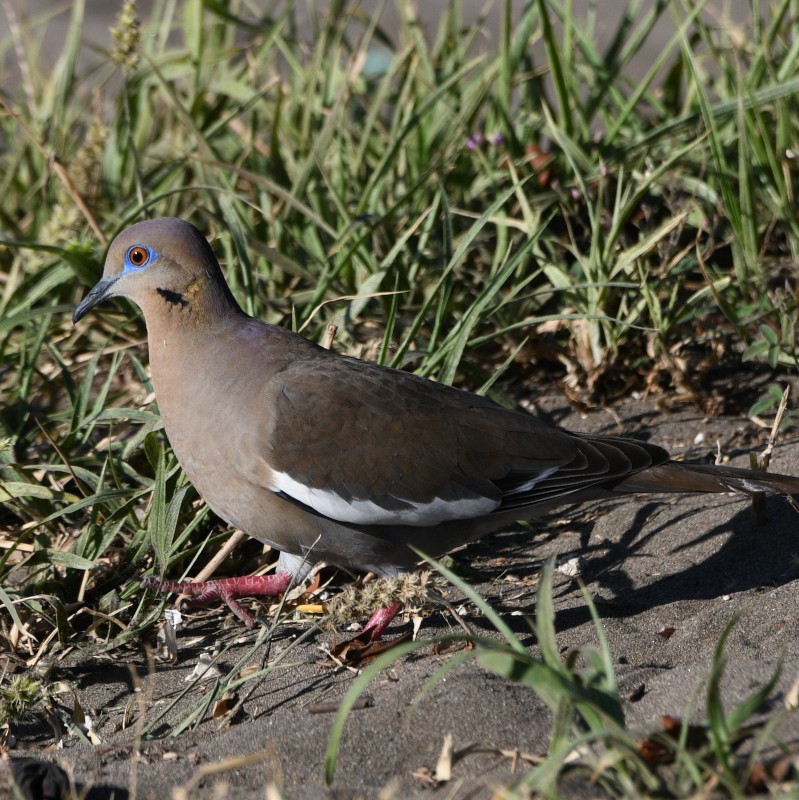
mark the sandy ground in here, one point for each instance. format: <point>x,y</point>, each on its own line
<point>689,563</point>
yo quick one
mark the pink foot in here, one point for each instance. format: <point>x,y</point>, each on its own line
<point>380,620</point>
<point>227,590</point>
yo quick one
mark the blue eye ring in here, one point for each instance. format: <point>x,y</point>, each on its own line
<point>138,257</point>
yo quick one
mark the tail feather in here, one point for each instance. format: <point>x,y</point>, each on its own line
<point>677,476</point>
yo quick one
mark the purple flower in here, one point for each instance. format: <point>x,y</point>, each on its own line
<point>478,140</point>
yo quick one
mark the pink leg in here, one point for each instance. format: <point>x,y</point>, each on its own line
<point>227,590</point>
<point>380,620</point>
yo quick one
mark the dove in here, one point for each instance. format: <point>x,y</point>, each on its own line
<point>330,458</point>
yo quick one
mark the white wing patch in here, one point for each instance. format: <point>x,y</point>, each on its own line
<point>528,485</point>
<point>367,512</point>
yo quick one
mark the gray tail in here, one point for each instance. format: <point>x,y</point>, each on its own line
<point>676,476</point>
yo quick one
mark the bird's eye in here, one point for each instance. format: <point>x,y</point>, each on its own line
<point>138,256</point>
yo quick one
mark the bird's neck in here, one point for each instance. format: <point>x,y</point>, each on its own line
<point>184,322</point>
<point>188,310</point>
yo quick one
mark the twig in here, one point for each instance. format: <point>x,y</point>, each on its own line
<point>332,707</point>
<point>765,457</point>
<point>330,334</point>
<point>227,548</point>
<point>760,462</point>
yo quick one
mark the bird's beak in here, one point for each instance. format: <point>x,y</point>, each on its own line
<point>100,292</point>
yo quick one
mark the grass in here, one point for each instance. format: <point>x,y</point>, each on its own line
<point>481,218</point>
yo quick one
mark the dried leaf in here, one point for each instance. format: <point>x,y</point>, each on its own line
<point>205,669</point>
<point>310,608</point>
<point>359,650</point>
<point>654,751</point>
<point>443,771</point>
<point>224,705</point>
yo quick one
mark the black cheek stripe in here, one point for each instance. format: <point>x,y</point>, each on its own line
<point>173,298</point>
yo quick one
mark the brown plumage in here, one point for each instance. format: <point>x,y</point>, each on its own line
<point>326,457</point>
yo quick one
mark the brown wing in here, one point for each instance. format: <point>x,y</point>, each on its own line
<point>365,444</point>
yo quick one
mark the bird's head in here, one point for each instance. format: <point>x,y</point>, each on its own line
<point>163,265</point>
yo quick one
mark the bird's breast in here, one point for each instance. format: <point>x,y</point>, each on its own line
<point>206,404</point>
